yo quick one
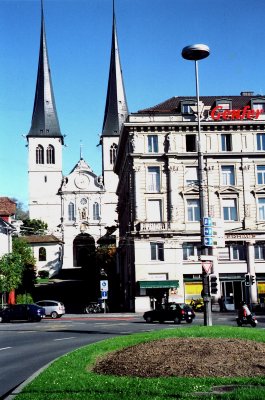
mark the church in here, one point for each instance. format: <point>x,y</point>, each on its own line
<point>80,208</point>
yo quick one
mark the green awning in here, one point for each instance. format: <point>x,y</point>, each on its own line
<point>158,284</point>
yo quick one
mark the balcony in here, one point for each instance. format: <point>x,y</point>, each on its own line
<point>148,227</point>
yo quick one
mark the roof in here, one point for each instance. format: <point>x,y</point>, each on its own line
<point>173,104</point>
<point>42,239</point>
<point>7,206</point>
<point>116,110</point>
<point>45,121</point>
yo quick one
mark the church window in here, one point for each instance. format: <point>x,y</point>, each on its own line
<point>50,155</point>
<point>39,155</point>
<point>42,254</point>
<point>96,211</point>
<point>113,153</point>
<point>71,211</point>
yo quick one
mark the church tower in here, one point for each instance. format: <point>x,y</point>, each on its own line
<point>45,143</point>
<point>116,112</point>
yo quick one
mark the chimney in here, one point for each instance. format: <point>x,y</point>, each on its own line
<point>247,94</point>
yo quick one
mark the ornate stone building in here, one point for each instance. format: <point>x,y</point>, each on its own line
<point>158,194</point>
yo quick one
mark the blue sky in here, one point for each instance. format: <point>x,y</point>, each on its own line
<point>151,35</point>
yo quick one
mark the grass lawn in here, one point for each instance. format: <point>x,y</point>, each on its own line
<point>70,377</point>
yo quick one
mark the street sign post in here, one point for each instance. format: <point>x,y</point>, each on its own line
<point>104,295</point>
<point>207,266</point>
<point>104,285</point>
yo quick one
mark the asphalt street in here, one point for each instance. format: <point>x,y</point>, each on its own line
<point>27,347</point>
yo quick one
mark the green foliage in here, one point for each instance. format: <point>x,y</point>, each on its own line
<point>43,274</point>
<point>25,298</point>
<point>21,214</point>
<point>10,272</point>
<point>21,247</point>
<point>71,377</point>
<point>33,227</point>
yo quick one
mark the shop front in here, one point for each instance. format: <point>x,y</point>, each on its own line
<point>154,293</point>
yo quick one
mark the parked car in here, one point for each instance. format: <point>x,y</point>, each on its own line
<point>53,308</point>
<point>171,312</point>
<point>22,312</point>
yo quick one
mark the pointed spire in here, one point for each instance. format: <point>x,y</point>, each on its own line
<point>116,109</point>
<point>45,121</point>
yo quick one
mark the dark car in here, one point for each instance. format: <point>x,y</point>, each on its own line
<point>171,312</point>
<point>22,312</point>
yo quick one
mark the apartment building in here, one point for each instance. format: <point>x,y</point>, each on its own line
<point>159,205</point>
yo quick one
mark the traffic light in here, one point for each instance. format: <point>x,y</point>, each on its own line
<point>247,280</point>
<point>252,279</point>
<point>213,284</point>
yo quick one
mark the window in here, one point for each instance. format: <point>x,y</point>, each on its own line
<point>39,155</point>
<point>96,211</point>
<point>71,211</point>
<point>186,109</point>
<point>259,251</point>
<point>157,251</point>
<point>153,179</point>
<point>261,141</point>
<point>258,106</point>
<point>226,142</point>
<point>230,209</point>
<point>113,153</point>
<point>191,143</point>
<point>191,249</point>
<point>42,254</point>
<point>261,209</point>
<point>225,106</point>
<point>228,175</point>
<point>193,208</point>
<point>191,175</point>
<point>237,252</point>
<point>50,154</point>
<point>154,211</point>
<point>152,144</point>
<point>261,174</point>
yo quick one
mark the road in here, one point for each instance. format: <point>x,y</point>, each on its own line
<point>26,347</point>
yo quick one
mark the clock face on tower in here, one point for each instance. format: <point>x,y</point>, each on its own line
<point>82,181</point>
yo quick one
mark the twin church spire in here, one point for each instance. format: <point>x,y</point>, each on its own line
<point>45,121</point>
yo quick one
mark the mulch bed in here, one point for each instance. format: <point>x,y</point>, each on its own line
<point>193,357</point>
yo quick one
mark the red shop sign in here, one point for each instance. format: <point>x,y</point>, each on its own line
<point>246,113</point>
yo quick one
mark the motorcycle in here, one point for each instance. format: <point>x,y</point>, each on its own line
<point>251,320</point>
<point>197,305</point>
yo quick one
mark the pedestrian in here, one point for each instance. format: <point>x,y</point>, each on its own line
<point>221,302</point>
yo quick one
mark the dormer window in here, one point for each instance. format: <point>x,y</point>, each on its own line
<point>187,107</point>
<point>258,104</point>
<point>226,104</point>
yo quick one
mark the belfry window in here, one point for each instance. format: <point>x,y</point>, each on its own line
<point>39,155</point>
<point>113,153</point>
<point>50,154</point>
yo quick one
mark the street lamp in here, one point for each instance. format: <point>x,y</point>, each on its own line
<point>195,53</point>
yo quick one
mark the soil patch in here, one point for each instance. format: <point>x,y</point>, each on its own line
<point>187,357</point>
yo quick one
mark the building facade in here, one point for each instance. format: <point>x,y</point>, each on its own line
<point>159,206</point>
<point>80,207</point>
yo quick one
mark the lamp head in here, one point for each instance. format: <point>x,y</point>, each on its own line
<point>195,52</point>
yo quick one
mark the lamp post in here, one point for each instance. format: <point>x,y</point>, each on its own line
<point>195,53</point>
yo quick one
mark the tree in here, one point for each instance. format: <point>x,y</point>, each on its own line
<point>21,214</point>
<point>33,227</point>
<point>17,268</point>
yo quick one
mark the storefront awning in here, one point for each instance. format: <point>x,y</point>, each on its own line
<point>158,284</point>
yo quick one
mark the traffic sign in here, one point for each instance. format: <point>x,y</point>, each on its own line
<point>104,285</point>
<point>104,295</point>
<point>208,241</point>
<point>207,266</point>
<point>207,221</point>
<point>208,231</point>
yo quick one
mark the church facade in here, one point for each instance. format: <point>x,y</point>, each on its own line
<point>79,208</point>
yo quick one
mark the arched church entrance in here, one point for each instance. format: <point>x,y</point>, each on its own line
<point>84,250</point>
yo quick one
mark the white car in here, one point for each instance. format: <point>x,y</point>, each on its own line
<point>53,308</point>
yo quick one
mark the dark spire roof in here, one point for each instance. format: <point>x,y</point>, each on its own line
<point>44,122</point>
<point>116,109</point>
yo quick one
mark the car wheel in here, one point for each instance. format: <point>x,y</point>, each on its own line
<point>189,321</point>
<point>149,319</point>
<point>161,321</point>
<point>176,320</point>
<point>38,319</point>
<point>54,315</point>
